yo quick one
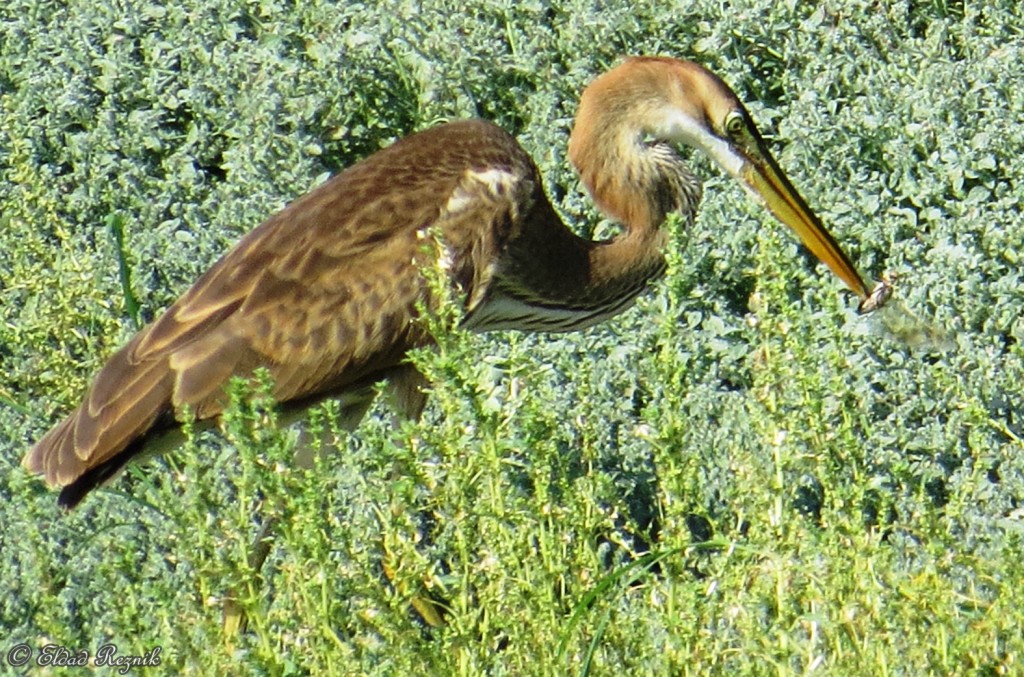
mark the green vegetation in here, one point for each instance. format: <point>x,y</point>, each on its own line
<point>811,495</point>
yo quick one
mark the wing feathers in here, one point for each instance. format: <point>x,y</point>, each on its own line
<point>324,294</point>
<point>125,417</point>
<point>93,433</point>
<point>202,368</point>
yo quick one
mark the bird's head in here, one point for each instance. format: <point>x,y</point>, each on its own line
<point>680,102</point>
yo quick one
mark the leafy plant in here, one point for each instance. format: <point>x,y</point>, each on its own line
<point>738,476</point>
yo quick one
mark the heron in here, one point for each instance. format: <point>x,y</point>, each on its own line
<point>327,294</point>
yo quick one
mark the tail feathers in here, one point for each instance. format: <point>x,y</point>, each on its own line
<point>125,403</point>
<point>164,435</point>
<point>73,492</point>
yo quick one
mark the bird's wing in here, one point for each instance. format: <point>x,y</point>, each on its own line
<point>309,310</point>
<point>323,294</point>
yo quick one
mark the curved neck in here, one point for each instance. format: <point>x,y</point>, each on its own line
<point>636,182</point>
<point>617,175</point>
<point>550,279</point>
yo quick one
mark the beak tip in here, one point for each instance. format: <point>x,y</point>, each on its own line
<point>878,297</point>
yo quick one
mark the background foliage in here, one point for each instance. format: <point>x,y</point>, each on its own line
<point>824,498</point>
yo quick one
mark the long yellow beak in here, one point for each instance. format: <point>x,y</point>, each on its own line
<point>763,176</point>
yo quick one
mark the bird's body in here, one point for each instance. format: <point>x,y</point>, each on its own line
<point>325,294</point>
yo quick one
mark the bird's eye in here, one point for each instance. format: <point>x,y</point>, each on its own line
<point>734,124</point>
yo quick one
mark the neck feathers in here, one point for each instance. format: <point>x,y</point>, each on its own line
<point>633,178</point>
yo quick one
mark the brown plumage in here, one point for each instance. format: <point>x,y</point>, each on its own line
<point>324,293</point>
